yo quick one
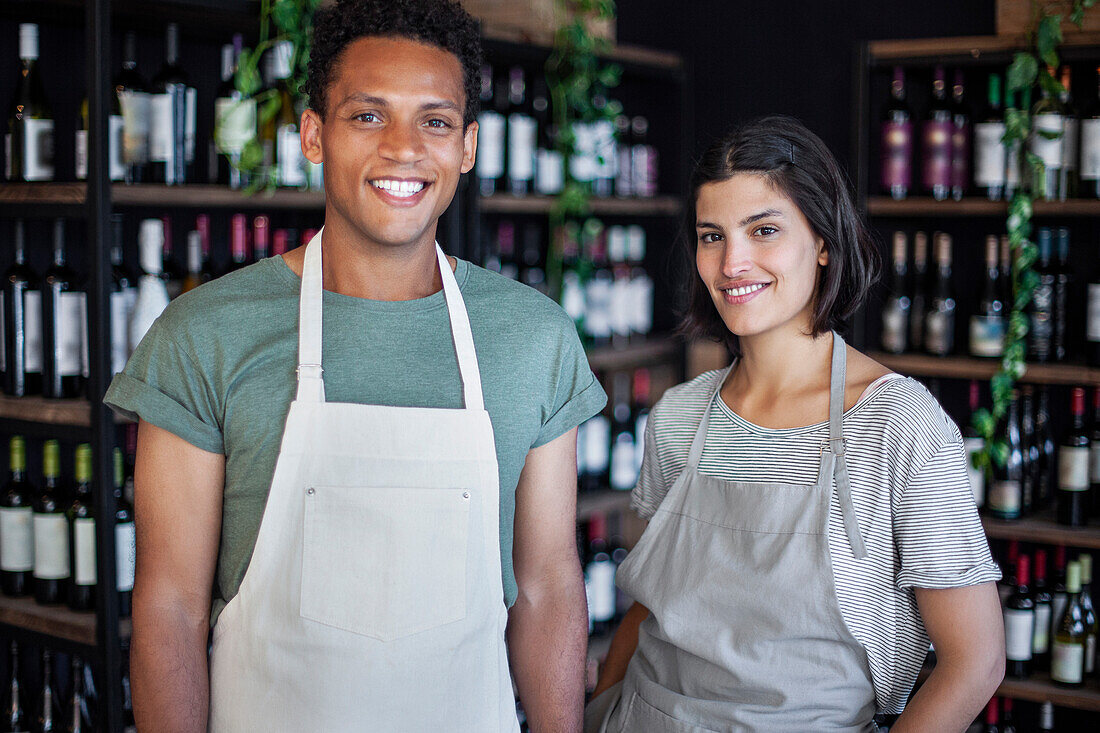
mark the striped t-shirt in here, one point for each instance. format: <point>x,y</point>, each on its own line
<point>910,489</point>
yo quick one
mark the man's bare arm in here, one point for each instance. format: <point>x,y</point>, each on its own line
<point>178,511</point>
<point>547,626</point>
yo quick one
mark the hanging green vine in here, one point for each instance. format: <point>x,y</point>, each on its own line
<point>580,82</point>
<point>1028,67</point>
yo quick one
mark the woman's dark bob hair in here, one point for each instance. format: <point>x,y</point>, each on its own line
<point>796,162</point>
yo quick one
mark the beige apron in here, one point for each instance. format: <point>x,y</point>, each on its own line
<point>745,631</point>
<point>373,600</point>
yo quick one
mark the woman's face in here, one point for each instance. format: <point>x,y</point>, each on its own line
<point>757,255</point>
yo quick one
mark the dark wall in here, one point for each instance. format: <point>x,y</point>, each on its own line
<point>753,57</point>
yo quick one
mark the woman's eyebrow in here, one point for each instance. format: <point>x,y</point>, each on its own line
<point>757,217</point>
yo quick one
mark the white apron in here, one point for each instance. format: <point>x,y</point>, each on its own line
<point>373,600</point>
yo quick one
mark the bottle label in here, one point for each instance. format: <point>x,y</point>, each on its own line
<point>235,124</point>
<point>1090,149</point>
<point>288,152</point>
<point>976,476</point>
<point>1071,145</point>
<point>987,335</point>
<point>621,305</point>
<point>1050,151</point>
<point>84,551</point>
<point>116,164</point>
<point>38,150</point>
<point>136,114</point>
<point>989,154</point>
<point>572,296</point>
<point>81,161</point>
<point>597,318</point>
<point>583,165</point>
<point>1019,630</point>
<point>1067,662</point>
<point>16,539</point>
<point>939,332</point>
<point>190,121</point>
<point>490,145</point>
<point>125,555</point>
<point>960,155</point>
<point>1004,498</point>
<point>642,308</point>
<point>550,174</point>
<point>522,137</point>
<point>120,343</point>
<point>936,151</point>
<point>1040,642</point>
<point>160,128</point>
<point>1073,468</point>
<point>601,580</point>
<point>32,331</point>
<point>1092,329</point>
<point>623,476</point>
<point>51,547</point>
<point>597,444</point>
<point>897,152</point>
<point>71,327</point>
<point>895,326</point>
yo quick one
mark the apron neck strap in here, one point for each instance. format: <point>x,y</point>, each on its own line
<point>700,439</point>
<point>311,386</point>
<point>837,381</point>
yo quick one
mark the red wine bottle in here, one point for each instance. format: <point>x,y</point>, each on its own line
<point>897,140</point>
<point>1073,468</point>
<point>1019,620</point>
<point>937,132</point>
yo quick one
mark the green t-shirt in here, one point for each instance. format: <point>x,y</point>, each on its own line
<point>218,370</point>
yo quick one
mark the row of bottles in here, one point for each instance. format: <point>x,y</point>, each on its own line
<point>152,125</point>
<point>1000,716</point>
<point>602,553</point>
<point>1050,626</point>
<point>518,144</point>
<point>610,444</point>
<point>958,137</point>
<point>47,530</point>
<point>1039,470</point>
<point>920,312</point>
<point>44,330</point>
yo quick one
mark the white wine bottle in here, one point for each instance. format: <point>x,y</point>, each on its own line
<point>152,296</point>
<point>1067,663</point>
<point>28,145</point>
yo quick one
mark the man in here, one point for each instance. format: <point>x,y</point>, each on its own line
<point>331,477</point>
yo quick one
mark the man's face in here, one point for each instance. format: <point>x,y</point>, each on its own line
<point>393,142</point>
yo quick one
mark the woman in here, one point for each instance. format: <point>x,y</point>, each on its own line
<point>811,524</point>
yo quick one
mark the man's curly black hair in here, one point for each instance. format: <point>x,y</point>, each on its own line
<point>441,23</point>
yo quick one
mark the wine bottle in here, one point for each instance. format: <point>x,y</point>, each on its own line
<point>1062,285</point>
<point>974,444</point>
<point>125,540</point>
<point>152,296</point>
<point>1092,319</point>
<point>280,135</point>
<point>170,270</point>
<point>81,518</point>
<point>122,298</point>
<point>624,176</point>
<point>917,302</point>
<point>29,143</point>
<point>1090,144</point>
<point>1088,612</point>
<point>621,303</point>
<point>234,120</point>
<point>895,311</point>
<point>597,453</point>
<point>643,159</point>
<point>21,309</point>
<point>195,263</point>
<point>522,135</point>
<point>1006,491</point>
<point>238,242</point>
<point>1019,621</point>
<point>1067,652</point>
<point>1048,142</point>
<point>597,320</point>
<point>16,715</point>
<point>1006,586</point>
<point>491,147</point>
<point>641,284</point>
<point>603,147</point>
<point>1048,460</point>
<point>1073,468</point>
<point>549,169</point>
<point>1008,725</point>
<point>939,322</point>
<point>65,325</point>
<point>1030,441</point>
<point>48,711</point>
<point>116,166</point>
<point>1013,150</point>
<point>134,102</point>
<point>987,325</point>
<point>572,279</point>
<point>992,717</point>
<point>1040,642</point>
<point>989,151</point>
<point>623,443</point>
<point>172,118</point>
<point>16,524</point>
<point>897,140</point>
<point>1094,455</point>
<point>936,141</point>
<point>532,273</point>
<point>1041,332</point>
<point>261,238</point>
<point>1046,717</point>
<point>1069,180</point>
<point>79,718</point>
<point>599,576</point>
<point>641,390</point>
<point>1059,596</point>
<point>51,532</point>
<point>1006,262</point>
<point>960,139</point>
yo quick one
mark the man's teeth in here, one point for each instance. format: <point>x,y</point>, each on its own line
<point>737,292</point>
<point>400,189</point>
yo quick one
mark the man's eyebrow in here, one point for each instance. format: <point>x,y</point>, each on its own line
<point>381,102</point>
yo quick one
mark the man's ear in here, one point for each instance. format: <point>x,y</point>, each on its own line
<point>311,136</point>
<point>469,147</point>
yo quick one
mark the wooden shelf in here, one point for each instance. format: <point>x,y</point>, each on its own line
<point>76,412</point>
<point>1042,529</point>
<point>926,206</point>
<point>608,501</point>
<point>656,350</point>
<point>959,367</point>
<point>655,206</point>
<point>1039,688</point>
<point>986,49</point>
<point>55,621</point>
<point>210,196</point>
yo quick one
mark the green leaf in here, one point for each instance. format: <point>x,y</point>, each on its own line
<point>998,452</point>
<point>1048,38</point>
<point>1077,17</point>
<point>1022,71</point>
<point>285,14</point>
<point>252,155</point>
<point>1017,325</point>
<point>1051,86</point>
<point>983,422</point>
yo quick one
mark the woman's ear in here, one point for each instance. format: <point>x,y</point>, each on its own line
<point>822,253</point>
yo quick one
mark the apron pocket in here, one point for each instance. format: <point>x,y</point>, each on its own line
<point>384,562</point>
<point>641,716</point>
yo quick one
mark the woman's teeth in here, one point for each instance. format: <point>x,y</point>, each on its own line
<point>737,292</point>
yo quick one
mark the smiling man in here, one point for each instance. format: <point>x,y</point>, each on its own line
<point>356,462</point>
